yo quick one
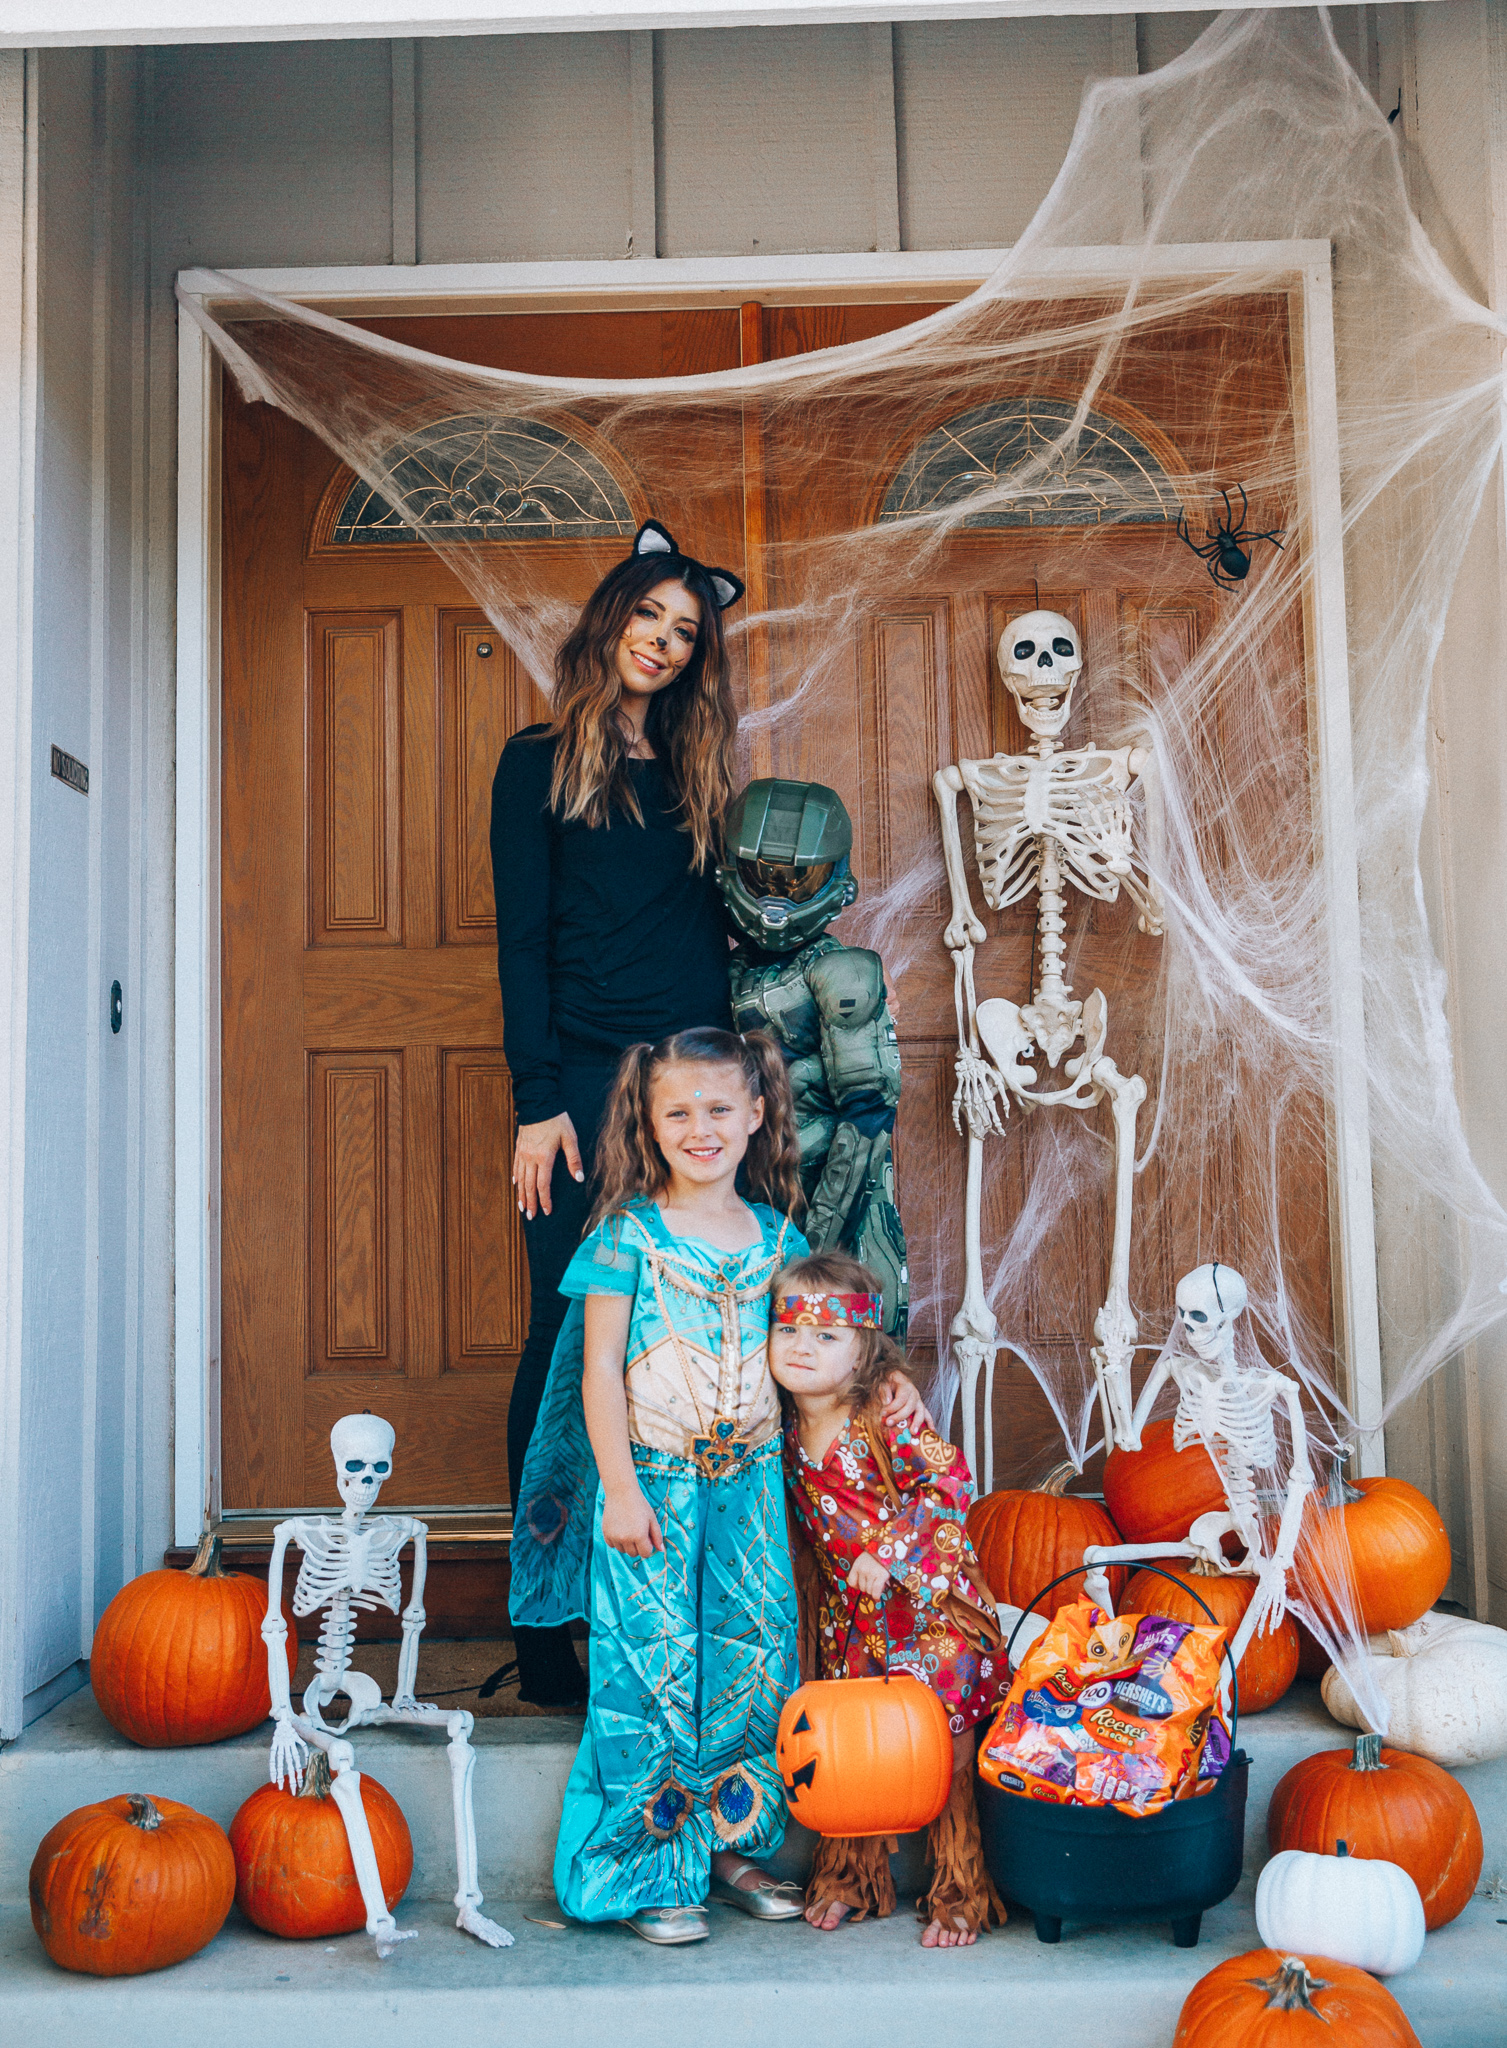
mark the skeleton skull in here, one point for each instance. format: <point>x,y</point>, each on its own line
<point>1208,1301</point>
<point>1040,659</point>
<point>362,1448</point>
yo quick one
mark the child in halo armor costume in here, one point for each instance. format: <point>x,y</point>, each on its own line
<point>787,876</point>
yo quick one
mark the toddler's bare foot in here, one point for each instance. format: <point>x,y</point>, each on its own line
<point>939,1935</point>
<point>827,1915</point>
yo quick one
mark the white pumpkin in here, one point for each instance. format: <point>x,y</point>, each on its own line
<point>1444,1681</point>
<point>1357,1909</point>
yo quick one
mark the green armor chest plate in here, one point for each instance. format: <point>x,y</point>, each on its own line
<point>773,996</point>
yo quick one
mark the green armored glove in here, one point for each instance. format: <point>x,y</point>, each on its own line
<point>787,876</point>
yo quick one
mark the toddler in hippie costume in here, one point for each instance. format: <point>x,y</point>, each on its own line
<point>883,1504</point>
<point>652,1497</point>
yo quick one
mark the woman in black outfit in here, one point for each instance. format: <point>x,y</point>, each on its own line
<point>605,831</point>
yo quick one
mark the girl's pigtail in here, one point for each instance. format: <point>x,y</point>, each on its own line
<point>628,1161</point>
<point>773,1164</point>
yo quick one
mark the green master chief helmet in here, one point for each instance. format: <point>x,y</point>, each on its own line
<point>787,874</point>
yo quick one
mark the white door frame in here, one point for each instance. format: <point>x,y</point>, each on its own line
<point>1303,268</point>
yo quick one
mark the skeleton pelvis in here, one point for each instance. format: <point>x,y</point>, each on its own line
<point>362,1691</point>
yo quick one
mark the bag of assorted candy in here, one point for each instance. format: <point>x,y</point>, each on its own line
<point>1112,1711</point>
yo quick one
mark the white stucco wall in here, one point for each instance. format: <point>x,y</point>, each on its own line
<point>95,1295</point>
<point>1450,66</point>
<point>731,141</point>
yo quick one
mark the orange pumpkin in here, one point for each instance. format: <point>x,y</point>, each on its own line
<point>865,1756</point>
<point>1024,1538</point>
<point>1313,1659</point>
<point>1270,1663</point>
<point>293,1870</point>
<point>178,1657</point>
<point>1157,1493</point>
<point>1389,1805</point>
<point>1266,2000</point>
<point>1398,1547</point>
<point>130,1884</point>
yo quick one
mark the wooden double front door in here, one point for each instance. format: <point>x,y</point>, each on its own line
<point>371,1254</point>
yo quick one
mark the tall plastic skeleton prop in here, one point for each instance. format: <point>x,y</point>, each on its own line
<point>1230,1409</point>
<point>351,1564</point>
<point>1042,820</point>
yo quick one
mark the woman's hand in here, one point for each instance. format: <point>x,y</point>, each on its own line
<point>630,1525</point>
<point>868,1576</point>
<point>903,1404</point>
<point>534,1161</point>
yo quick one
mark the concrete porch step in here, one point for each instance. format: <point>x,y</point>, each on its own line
<point>865,1987</point>
<point>73,1755</point>
<point>749,1983</point>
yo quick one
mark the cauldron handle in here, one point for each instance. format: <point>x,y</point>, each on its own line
<point>1061,1579</point>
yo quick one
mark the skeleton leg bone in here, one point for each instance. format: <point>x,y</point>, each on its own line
<point>462,1760</point>
<point>975,1332</point>
<point>1114,1325</point>
<point>345,1788</point>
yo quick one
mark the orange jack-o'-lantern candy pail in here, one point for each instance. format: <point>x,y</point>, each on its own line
<point>865,1756</point>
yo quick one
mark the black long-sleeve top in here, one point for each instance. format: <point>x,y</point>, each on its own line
<point>605,936</point>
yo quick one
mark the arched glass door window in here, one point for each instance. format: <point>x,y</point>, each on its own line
<point>1107,474</point>
<point>472,477</point>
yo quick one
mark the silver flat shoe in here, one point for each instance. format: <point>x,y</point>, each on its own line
<point>669,1926</point>
<point>769,1899</point>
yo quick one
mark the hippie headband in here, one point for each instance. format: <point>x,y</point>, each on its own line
<point>831,1311</point>
<point>654,539</point>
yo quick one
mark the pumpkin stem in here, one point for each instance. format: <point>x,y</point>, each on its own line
<point>1342,1848</point>
<point>1288,1990</point>
<point>1367,1753</point>
<point>206,1564</point>
<point>316,1776</point>
<point>1056,1480</point>
<point>143,1814</point>
<point>1339,1493</point>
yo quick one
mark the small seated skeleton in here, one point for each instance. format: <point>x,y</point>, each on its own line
<point>350,1564</point>
<point>1228,1408</point>
<point>1042,821</point>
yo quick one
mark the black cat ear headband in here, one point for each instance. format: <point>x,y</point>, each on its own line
<point>654,539</point>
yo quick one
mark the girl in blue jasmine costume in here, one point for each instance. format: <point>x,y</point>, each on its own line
<point>659,1435</point>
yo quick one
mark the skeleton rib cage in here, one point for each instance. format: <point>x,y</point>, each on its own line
<point>1077,801</point>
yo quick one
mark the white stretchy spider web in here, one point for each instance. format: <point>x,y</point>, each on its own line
<point>1260,132</point>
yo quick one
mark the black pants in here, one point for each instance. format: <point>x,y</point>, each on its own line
<point>544,1673</point>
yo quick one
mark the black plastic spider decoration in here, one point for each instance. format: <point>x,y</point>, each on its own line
<point>1229,562</point>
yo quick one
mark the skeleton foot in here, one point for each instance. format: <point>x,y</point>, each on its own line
<point>387,1935</point>
<point>470,1921</point>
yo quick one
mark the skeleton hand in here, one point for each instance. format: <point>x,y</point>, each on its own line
<point>974,1098</point>
<point>285,1766</point>
<point>1270,1596</point>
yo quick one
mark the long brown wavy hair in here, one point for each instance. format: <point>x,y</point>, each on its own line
<point>691,725</point>
<point>840,1273</point>
<point>630,1163</point>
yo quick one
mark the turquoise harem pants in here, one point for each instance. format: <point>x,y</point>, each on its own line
<point>692,1658</point>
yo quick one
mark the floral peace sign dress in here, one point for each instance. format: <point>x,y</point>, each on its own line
<point>692,1650</point>
<point>903,1497</point>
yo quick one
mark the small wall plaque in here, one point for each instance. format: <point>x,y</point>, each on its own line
<point>68,768</point>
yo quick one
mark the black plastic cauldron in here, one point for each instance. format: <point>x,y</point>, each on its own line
<point>1095,1863</point>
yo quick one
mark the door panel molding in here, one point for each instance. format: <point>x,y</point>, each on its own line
<point>353,851</point>
<point>1302,269</point>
